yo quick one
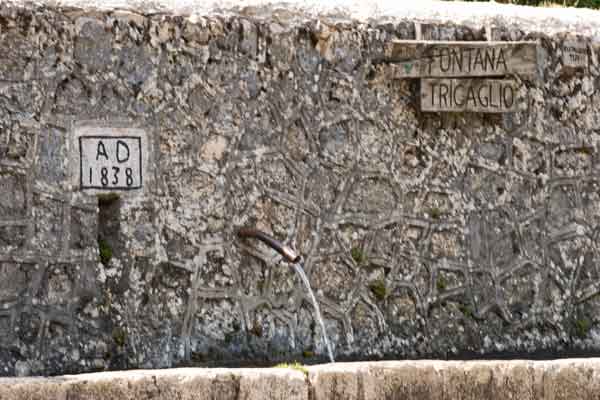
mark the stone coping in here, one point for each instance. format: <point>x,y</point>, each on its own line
<point>549,20</point>
<point>427,379</point>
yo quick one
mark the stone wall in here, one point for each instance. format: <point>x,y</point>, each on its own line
<point>423,234</point>
<point>407,380</point>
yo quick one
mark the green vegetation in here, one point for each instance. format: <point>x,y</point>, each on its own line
<point>105,251</point>
<point>584,150</point>
<point>467,310</point>
<point>582,327</point>
<point>435,213</point>
<point>308,354</point>
<point>441,283</point>
<point>296,365</point>
<point>544,3</point>
<point>119,336</point>
<point>379,289</point>
<point>357,255</point>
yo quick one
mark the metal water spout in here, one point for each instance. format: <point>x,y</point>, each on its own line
<point>296,260</point>
<point>287,253</point>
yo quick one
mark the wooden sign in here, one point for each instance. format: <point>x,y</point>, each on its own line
<point>424,59</point>
<point>575,54</point>
<point>469,95</point>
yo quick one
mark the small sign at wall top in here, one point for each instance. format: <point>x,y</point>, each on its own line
<point>469,95</point>
<point>575,54</point>
<point>430,59</point>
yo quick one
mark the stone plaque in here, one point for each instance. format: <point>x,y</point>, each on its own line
<point>113,163</point>
<point>109,156</point>
<point>423,59</point>
<point>575,54</point>
<point>474,95</point>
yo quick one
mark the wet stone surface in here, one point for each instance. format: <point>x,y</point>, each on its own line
<point>424,234</point>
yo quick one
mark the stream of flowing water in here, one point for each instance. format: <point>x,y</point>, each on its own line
<point>304,278</point>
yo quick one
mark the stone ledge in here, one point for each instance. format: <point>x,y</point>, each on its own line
<point>181,383</point>
<point>490,380</point>
<point>550,20</point>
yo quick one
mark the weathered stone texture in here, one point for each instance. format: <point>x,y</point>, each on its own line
<point>531,380</point>
<point>184,384</point>
<point>423,234</point>
<point>405,380</point>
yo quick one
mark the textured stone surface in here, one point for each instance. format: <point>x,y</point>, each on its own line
<point>424,234</point>
<point>473,380</point>
<point>209,384</point>
<point>407,380</point>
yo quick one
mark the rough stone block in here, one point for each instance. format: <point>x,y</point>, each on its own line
<point>184,384</point>
<point>12,196</point>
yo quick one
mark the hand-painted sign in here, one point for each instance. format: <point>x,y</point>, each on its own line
<point>459,95</point>
<point>425,59</point>
<point>110,162</point>
<point>575,54</point>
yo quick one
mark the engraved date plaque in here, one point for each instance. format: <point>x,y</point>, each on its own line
<point>109,162</point>
<point>110,156</point>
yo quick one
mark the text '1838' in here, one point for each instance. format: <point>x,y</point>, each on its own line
<point>110,162</point>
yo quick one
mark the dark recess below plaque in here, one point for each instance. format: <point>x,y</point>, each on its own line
<point>109,227</point>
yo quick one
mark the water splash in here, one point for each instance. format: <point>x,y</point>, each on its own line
<point>300,271</point>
